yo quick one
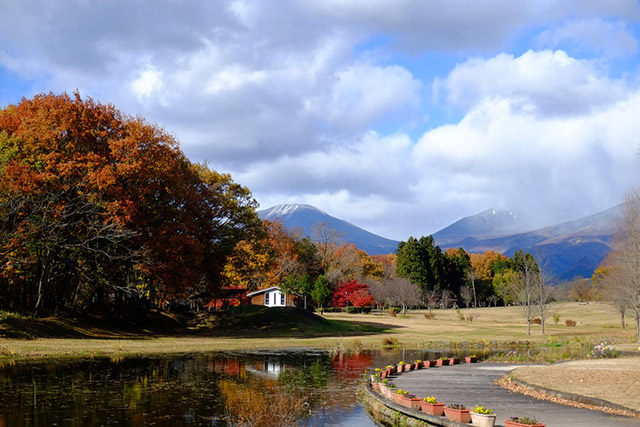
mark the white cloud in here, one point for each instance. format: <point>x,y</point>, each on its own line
<point>591,35</point>
<point>499,155</point>
<point>147,83</point>
<point>547,83</point>
<point>306,101</point>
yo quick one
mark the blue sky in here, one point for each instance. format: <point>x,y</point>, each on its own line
<point>401,116</point>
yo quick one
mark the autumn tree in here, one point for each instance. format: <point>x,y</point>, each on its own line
<point>623,276</point>
<point>96,204</point>
<point>527,285</point>
<point>609,284</point>
<point>403,293</point>
<point>345,290</point>
<point>327,241</point>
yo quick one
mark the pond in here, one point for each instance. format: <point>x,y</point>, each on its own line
<point>293,387</point>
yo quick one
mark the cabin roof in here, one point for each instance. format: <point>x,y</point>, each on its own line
<point>260,291</point>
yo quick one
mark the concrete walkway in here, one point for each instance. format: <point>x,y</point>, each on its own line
<point>472,384</point>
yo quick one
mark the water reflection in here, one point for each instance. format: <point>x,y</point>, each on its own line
<point>308,387</point>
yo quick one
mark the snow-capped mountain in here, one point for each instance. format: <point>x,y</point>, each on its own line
<point>491,222</point>
<point>304,217</point>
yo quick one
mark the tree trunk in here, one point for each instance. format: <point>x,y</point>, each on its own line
<point>528,326</point>
<point>622,318</point>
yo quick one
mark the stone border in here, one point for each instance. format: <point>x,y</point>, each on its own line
<point>565,398</point>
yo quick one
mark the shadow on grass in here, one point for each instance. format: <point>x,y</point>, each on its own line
<point>256,322</point>
<point>90,327</point>
<point>241,322</point>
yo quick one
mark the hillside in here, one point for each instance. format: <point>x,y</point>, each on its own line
<point>304,217</point>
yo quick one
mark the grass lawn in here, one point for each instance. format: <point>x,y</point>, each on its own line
<point>252,328</point>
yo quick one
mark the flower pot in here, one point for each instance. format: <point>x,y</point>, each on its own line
<point>398,398</point>
<point>453,361</point>
<point>428,363</point>
<point>441,362</point>
<point>483,420</point>
<point>509,423</point>
<point>389,393</point>
<point>375,387</point>
<point>436,409</point>
<point>470,359</point>
<point>384,374</point>
<point>413,403</point>
<point>417,365</point>
<point>400,369</point>
<point>460,415</point>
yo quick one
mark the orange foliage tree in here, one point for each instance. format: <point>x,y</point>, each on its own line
<point>96,205</point>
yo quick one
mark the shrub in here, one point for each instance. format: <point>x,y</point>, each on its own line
<point>570,322</point>
<point>460,315</point>
<point>350,309</point>
<point>469,318</point>
<point>429,316</point>
<point>556,318</point>
<point>394,311</point>
<point>390,342</point>
<point>536,321</point>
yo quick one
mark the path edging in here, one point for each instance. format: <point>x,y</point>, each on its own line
<point>586,400</point>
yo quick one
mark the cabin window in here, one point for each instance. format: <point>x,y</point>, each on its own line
<point>266,298</point>
<point>281,299</point>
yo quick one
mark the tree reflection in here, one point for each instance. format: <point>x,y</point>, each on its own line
<point>247,405</point>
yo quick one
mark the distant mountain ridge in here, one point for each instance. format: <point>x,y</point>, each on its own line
<point>491,222</point>
<point>305,217</point>
<point>567,250</point>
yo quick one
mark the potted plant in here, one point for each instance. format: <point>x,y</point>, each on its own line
<point>387,389</point>
<point>457,412</point>
<point>400,367</point>
<point>471,359</point>
<point>417,364</point>
<point>483,417</point>
<point>391,369</point>
<point>454,361</point>
<point>428,363</point>
<point>430,405</point>
<point>522,422</point>
<point>442,361</point>
<point>410,401</point>
<point>398,395</point>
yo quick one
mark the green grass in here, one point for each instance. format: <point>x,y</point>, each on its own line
<point>258,321</point>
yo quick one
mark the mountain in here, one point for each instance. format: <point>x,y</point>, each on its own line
<point>567,250</point>
<point>491,222</point>
<point>304,217</point>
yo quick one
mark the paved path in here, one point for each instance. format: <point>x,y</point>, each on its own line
<point>472,384</point>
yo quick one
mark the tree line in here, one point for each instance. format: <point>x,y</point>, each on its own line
<point>103,211</point>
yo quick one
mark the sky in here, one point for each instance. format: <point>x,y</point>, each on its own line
<point>400,116</point>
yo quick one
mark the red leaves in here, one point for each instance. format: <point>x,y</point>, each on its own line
<point>357,294</point>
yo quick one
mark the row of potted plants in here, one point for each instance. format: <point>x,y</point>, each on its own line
<point>402,366</point>
<point>479,416</point>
